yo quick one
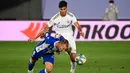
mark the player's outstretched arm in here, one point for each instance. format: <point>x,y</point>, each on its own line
<point>40,34</point>
<point>79,29</point>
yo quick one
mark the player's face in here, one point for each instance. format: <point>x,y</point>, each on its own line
<point>63,47</point>
<point>63,11</point>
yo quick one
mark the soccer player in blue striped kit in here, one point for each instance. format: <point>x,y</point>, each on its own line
<point>46,49</point>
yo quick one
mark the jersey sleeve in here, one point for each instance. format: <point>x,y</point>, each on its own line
<point>74,19</point>
<point>61,38</point>
<point>51,22</point>
<point>49,39</point>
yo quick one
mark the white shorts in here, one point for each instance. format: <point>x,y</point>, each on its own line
<point>72,43</point>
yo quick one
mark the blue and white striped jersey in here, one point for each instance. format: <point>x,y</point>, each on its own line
<point>48,44</point>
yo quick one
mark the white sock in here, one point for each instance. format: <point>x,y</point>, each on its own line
<point>30,71</point>
<point>73,66</point>
<point>45,70</point>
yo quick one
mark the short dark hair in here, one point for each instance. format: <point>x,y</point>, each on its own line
<point>111,1</point>
<point>62,4</point>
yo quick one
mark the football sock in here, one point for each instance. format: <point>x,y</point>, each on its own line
<point>73,65</point>
<point>30,66</point>
<point>43,71</point>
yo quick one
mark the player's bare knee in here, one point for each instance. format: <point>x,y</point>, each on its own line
<point>49,67</point>
<point>48,70</point>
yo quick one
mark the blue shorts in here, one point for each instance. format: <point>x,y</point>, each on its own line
<point>49,57</point>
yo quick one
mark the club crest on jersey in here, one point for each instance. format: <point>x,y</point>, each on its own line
<point>69,22</point>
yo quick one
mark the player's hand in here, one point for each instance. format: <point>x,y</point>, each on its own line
<point>82,34</point>
<point>31,39</point>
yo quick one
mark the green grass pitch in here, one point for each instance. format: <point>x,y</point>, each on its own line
<point>102,57</point>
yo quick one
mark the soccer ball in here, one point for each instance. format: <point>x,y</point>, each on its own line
<point>80,59</point>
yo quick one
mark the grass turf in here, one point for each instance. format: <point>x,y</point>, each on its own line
<point>102,57</point>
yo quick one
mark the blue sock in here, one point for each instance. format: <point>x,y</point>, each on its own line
<point>42,71</point>
<point>30,66</point>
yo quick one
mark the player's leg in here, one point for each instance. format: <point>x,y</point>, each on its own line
<point>48,68</point>
<point>31,64</point>
<point>35,56</point>
<point>48,61</point>
<point>73,55</point>
<point>73,62</point>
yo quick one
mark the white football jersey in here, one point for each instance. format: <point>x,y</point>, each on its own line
<point>62,25</point>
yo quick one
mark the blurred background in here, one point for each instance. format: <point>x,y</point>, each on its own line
<point>45,9</point>
<point>24,18</point>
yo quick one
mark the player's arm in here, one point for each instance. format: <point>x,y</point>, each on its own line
<point>105,18</point>
<point>76,24</point>
<point>46,28</point>
<point>40,34</point>
<point>79,28</point>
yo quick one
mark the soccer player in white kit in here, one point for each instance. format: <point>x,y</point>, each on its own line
<point>62,23</point>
